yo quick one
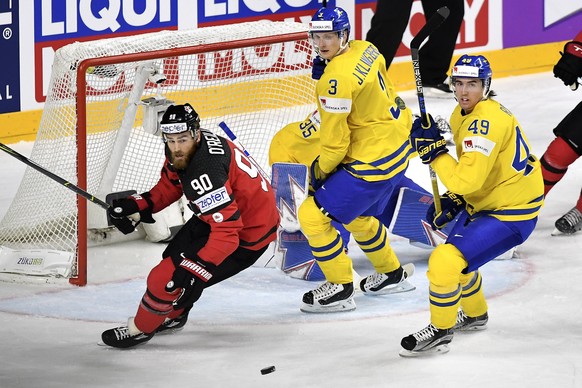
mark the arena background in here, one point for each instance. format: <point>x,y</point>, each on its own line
<point>516,42</point>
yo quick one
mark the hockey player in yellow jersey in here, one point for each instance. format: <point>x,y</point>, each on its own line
<point>364,152</point>
<point>496,185</point>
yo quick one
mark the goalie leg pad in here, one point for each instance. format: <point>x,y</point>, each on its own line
<point>409,219</point>
<point>293,253</point>
<point>290,183</point>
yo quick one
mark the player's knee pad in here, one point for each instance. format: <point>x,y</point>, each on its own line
<point>313,221</point>
<point>363,227</point>
<point>559,155</point>
<point>445,266</point>
<point>470,282</point>
<point>156,298</point>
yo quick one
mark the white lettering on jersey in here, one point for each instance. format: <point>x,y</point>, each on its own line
<point>478,144</point>
<point>195,268</point>
<point>213,199</point>
<point>336,105</point>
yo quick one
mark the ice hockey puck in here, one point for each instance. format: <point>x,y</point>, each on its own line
<point>267,370</point>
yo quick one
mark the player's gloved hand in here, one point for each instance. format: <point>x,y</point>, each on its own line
<point>428,142</point>
<point>318,67</point>
<point>569,67</point>
<point>190,269</point>
<point>137,206</point>
<point>316,175</point>
<point>451,205</point>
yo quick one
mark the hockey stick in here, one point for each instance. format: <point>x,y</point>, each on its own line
<point>54,177</point>
<point>431,25</point>
<point>235,140</point>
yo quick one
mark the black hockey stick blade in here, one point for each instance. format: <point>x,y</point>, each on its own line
<point>432,24</point>
<point>53,176</point>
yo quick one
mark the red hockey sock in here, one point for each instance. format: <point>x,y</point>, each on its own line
<point>555,162</point>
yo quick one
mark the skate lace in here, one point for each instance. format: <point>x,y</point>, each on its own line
<point>426,333</point>
<point>122,333</point>
<point>326,289</point>
<point>461,316</point>
<point>375,279</point>
<point>573,217</point>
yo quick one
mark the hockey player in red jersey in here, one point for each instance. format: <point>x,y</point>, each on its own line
<point>567,146</point>
<point>235,220</point>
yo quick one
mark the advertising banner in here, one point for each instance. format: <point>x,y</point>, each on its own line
<point>218,12</point>
<point>10,49</point>
<point>545,21</point>
<point>60,22</point>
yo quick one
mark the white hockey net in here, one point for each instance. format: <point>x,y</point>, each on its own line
<point>94,133</point>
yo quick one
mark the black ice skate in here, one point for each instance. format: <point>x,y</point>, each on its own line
<point>329,297</point>
<point>388,283</point>
<point>172,325</point>
<point>429,340</point>
<point>125,336</point>
<point>466,323</point>
<point>569,223</point>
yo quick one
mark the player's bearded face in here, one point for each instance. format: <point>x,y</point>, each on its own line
<point>182,148</point>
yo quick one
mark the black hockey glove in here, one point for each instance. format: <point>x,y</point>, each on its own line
<point>451,205</point>
<point>318,67</point>
<point>190,269</point>
<point>569,67</point>
<point>428,142</point>
<point>123,207</point>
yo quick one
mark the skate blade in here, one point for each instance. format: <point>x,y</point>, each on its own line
<point>471,329</point>
<point>345,306</point>
<point>441,349</point>
<point>404,286</point>
<point>169,331</point>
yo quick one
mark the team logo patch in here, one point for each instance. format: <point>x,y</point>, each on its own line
<point>212,200</point>
<point>336,105</point>
<point>321,25</point>
<point>465,71</point>
<point>174,127</point>
<point>478,144</point>
<point>315,118</point>
<point>218,217</point>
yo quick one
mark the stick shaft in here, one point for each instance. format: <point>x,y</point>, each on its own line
<point>235,140</point>
<point>431,25</point>
<point>53,176</point>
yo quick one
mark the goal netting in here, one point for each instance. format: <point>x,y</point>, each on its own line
<point>98,128</point>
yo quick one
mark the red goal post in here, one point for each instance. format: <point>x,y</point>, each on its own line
<point>98,128</point>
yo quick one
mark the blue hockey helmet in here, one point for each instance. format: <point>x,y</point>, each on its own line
<point>473,66</point>
<point>330,20</point>
<point>180,118</point>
